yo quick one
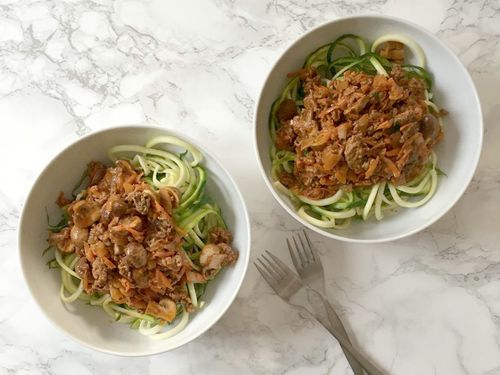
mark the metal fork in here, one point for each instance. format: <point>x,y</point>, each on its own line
<point>287,285</point>
<point>308,264</point>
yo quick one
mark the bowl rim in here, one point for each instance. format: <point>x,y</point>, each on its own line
<point>245,259</point>
<point>467,179</point>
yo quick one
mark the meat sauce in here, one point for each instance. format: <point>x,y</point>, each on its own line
<point>129,245</point>
<point>356,131</point>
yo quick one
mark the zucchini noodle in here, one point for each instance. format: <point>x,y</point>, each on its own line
<point>378,67</point>
<point>351,52</point>
<point>174,330</point>
<point>192,294</point>
<point>379,215</point>
<point>162,165</point>
<point>371,199</point>
<point>322,202</point>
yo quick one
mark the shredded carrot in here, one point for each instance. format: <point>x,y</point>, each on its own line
<point>341,173</point>
<point>108,263</point>
<point>384,125</point>
<point>392,167</point>
<point>393,152</point>
<point>372,167</point>
<point>88,252</point>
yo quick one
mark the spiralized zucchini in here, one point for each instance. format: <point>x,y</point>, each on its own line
<point>162,165</point>
<point>336,212</point>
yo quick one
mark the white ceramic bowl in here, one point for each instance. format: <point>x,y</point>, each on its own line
<point>458,154</point>
<point>90,325</point>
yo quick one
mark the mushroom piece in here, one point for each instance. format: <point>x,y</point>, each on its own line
<point>429,126</point>
<point>85,213</point>
<point>79,235</point>
<point>211,259</point>
<point>207,253</point>
<point>119,207</point>
<point>393,51</point>
<point>166,309</point>
<point>135,257</point>
<point>286,110</point>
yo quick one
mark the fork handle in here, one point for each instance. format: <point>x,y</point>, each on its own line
<point>335,321</point>
<point>367,365</point>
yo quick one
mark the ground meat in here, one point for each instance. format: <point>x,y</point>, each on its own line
<point>135,254</point>
<point>230,255</point>
<point>172,263</point>
<point>407,116</point>
<point>100,273</point>
<point>141,201</point>
<point>125,268</point>
<point>355,152</point>
<point>218,235</point>
<point>82,269</point>
<point>95,233</point>
<point>163,227</point>
<point>160,245</point>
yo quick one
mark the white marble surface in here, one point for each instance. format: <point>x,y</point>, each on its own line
<point>429,304</point>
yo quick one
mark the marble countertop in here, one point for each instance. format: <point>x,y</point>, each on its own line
<point>429,304</point>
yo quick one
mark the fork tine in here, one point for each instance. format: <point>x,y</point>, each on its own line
<point>282,266</point>
<point>293,255</point>
<point>273,265</point>
<point>271,272</point>
<point>311,247</point>
<point>300,251</point>
<point>306,249</point>
<point>269,279</point>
